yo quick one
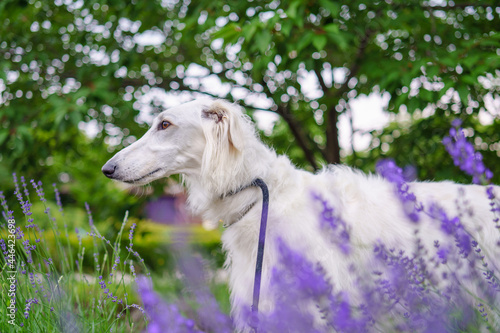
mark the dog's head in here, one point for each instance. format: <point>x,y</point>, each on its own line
<point>203,138</point>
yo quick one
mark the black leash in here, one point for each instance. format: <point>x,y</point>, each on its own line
<point>262,241</point>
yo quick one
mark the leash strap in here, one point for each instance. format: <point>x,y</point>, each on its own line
<point>262,240</point>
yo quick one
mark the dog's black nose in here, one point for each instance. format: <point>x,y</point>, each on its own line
<point>108,169</point>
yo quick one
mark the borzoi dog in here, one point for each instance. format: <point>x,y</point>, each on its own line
<point>216,149</point>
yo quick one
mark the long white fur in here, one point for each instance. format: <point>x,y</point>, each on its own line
<point>215,147</point>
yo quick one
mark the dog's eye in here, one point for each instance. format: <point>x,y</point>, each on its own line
<point>164,125</point>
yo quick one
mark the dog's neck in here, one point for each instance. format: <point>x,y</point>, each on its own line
<point>236,191</point>
<point>247,208</point>
<point>231,203</point>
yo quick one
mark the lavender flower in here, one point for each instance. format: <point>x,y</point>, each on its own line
<point>28,248</point>
<point>129,247</point>
<point>25,187</point>
<point>296,283</point>
<point>8,214</point>
<point>3,246</point>
<point>115,264</point>
<point>407,289</point>
<point>464,155</point>
<point>131,233</point>
<point>483,312</point>
<point>132,269</point>
<point>442,252</point>
<point>39,190</point>
<point>101,237</point>
<point>299,286</point>
<point>19,233</point>
<point>58,198</point>
<point>32,279</point>
<point>333,225</point>
<point>27,308</point>
<point>25,205</point>
<point>494,204</point>
<point>16,183</point>
<point>307,280</point>
<point>89,214</point>
<point>452,227</point>
<point>105,289</point>
<point>163,317</point>
<point>96,262</point>
<point>209,315</point>
<point>131,306</point>
<point>131,237</point>
<point>390,171</point>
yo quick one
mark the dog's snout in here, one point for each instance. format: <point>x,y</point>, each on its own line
<point>109,169</point>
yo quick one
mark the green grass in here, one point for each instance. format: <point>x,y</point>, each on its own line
<point>63,275</point>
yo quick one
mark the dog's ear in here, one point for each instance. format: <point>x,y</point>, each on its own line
<point>223,126</point>
<point>224,120</point>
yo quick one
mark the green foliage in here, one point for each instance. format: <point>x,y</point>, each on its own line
<point>67,65</point>
<point>154,241</point>
<point>429,157</point>
<point>62,262</point>
<point>50,276</point>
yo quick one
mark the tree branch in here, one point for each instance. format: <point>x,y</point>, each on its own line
<point>322,83</point>
<point>298,134</point>
<point>332,150</point>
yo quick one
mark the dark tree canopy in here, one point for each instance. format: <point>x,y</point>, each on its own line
<point>67,65</point>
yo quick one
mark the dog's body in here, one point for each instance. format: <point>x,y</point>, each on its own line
<point>216,149</point>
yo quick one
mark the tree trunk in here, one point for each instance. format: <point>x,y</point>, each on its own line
<point>332,152</point>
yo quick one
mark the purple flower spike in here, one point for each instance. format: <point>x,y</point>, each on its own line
<point>131,233</point>
<point>89,213</point>
<point>163,317</point>
<point>3,247</point>
<point>334,226</point>
<point>27,309</point>
<point>389,170</point>
<point>39,190</point>
<point>464,155</point>
<point>58,197</point>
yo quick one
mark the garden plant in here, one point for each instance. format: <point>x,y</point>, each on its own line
<point>82,79</point>
<point>49,290</point>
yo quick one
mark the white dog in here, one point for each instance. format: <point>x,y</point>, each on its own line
<point>215,147</point>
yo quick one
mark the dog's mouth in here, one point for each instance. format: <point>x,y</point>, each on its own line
<point>134,181</point>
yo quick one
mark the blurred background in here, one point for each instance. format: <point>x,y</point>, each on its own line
<point>326,81</point>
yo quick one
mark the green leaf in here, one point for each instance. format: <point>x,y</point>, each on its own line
<point>249,30</point>
<point>339,40</point>
<point>319,42</point>
<point>229,33</point>
<point>291,12</point>
<point>332,6</point>
<point>432,71</point>
<point>425,95</point>
<point>463,92</point>
<point>286,27</point>
<point>471,60</point>
<point>3,135</point>
<point>305,40</point>
<point>390,77</point>
<point>332,28</point>
<point>450,60</point>
<point>263,40</point>
<point>469,79</point>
